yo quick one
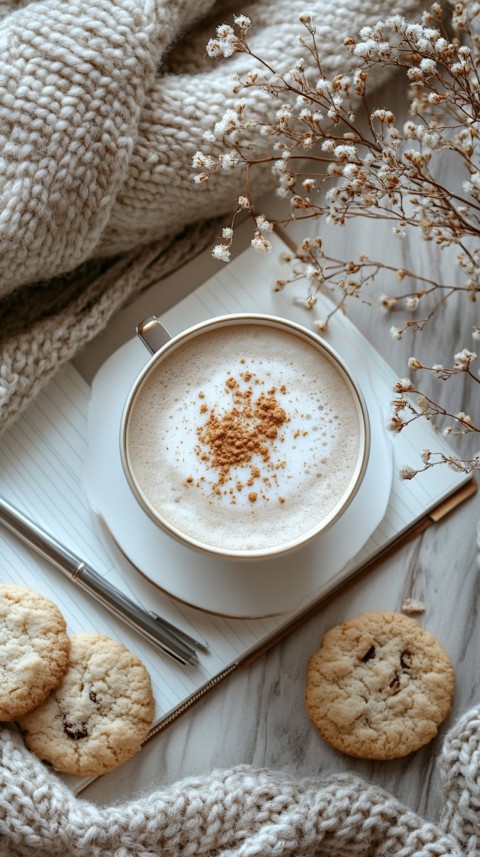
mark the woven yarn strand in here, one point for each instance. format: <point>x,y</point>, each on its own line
<point>102,106</point>
<point>241,812</point>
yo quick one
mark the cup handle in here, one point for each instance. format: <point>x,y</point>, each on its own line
<point>152,333</point>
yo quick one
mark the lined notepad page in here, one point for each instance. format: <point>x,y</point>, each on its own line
<point>41,463</point>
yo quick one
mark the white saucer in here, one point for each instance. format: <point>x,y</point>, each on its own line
<point>234,588</point>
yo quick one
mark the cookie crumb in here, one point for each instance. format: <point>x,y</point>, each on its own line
<point>412,607</point>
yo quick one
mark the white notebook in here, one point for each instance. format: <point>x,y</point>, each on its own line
<point>46,466</point>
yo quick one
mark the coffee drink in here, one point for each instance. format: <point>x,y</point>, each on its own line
<point>244,437</point>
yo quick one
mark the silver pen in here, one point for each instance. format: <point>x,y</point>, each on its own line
<point>158,631</point>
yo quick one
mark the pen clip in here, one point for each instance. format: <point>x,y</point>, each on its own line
<point>181,635</point>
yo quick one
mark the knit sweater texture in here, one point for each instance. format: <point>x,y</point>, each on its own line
<point>102,105</point>
<point>241,812</point>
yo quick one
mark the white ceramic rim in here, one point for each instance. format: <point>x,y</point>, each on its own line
<point>327,351</point>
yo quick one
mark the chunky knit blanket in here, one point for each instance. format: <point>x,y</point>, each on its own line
<point>242,812</point>
<point>102,105</point>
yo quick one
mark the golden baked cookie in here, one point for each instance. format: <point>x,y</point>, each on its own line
<point>100,714</point>
<point>34,649</point>
<point>379,686</point>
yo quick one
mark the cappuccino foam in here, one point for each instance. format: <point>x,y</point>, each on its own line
<point>244,437</point>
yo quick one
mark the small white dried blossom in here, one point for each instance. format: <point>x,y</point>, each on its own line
<point>263,225</point>
<point>396,332</point>
<point>383,115</point>
<point>476,332</point>
<point>412,302</point>
<point>345,153</point>
<point>463,359</point>
<point>242,21</point>
<point>414,363</point>
<point>366,33</point>
<point>428,65</point>
<point>305,114</point>
<point>441,45</point>
<point>229,122</point>
<point>225,42</point>
<point>350,171</point>
<point>200,160</point>
<point>214,48</point>
<point>260,243</point>
<point>407,472</point>
<point>228,160</point>
<point>221,252</point>
<point>323,86</point>
<point>386,301</point>
<point>243,202</point>
<point>284,112</point>
<point>321,324</point>
<point>464,418</point>
<point>403,385</point>
<point>395,424</point>
<point>227,233</point>
<point>422,403</point>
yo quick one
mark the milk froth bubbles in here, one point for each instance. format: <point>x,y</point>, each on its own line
<point>244,438</point>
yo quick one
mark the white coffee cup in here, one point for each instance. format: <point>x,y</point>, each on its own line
<point>244,436</point>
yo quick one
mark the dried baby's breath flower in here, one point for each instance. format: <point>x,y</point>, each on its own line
<point>463,359</point>
<point>260,243</point>
<point>221,252</point>
<point>414,363</point>
<point>335,159</point>
<point>412,302</point>
<point>407,472</point>
<point>403,385</point>
<point>263,225</point>
<point>386,301</point>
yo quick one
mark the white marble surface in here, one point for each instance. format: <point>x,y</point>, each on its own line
<point>257,716</point>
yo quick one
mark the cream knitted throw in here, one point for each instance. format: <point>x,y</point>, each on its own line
<point>102,105</point>
<point>241,812</point>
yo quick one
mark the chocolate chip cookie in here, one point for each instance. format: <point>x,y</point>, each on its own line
<point>379,686</point>
<point>34,649</point>
<point>100,714</point>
